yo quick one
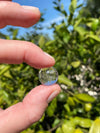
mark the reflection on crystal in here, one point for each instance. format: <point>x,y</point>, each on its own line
<point>48,76</point>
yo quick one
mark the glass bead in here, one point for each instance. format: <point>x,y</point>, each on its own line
<point>48,76</point>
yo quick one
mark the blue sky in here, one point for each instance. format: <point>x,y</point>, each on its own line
<point>50,16</point>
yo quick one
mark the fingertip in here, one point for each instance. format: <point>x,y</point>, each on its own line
<point>45,91</point>
<point>34,11</point>
<point>51,58</point>
<point>12,13</point>
<point>54,87</point>
<point>36,58</point>
<point>42,92</point>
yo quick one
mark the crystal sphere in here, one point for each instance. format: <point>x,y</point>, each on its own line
<point>48,76</point>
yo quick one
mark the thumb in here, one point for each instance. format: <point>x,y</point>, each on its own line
<point>22,115</point>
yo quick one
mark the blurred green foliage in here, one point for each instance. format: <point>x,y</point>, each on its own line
<point>91,9</point>
<point>76,49</point>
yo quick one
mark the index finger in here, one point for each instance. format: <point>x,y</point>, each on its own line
<point>12,13</point>
<point>16,52</point>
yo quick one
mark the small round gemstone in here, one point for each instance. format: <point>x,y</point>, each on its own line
<point>48,76</point>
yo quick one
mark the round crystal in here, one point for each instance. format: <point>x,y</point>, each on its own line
<point>48,76</point>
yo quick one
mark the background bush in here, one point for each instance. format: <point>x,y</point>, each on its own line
<point>76,49</point>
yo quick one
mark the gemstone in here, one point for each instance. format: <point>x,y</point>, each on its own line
<point>48,76</point>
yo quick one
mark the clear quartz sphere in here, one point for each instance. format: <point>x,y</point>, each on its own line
<point>48,76</point>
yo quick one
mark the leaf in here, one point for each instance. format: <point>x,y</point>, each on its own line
<point>64,80</point>
<point>57,8</point>
<point>66,38</point>
<point>66,106</point>
<point>73,6</point>
<point>77,120</point>
<point>95,37</point>
<point>76,100</point>
<point>2,36</point>
<point>41,41</point>
<point>4,97</point>
<point>62,6</point>
<point>89,24</point>
<point>85,123</point>
<point>80,5</point>
<point>64,12</point>
<point>28,131</point>
<point>95,128</point>
<point>56,122</point>
<point>81,30</point>
<point>95,24</point>
<point>85,97</point>
<point>58,27</point>
<point>50,42</point>
<point>5,69</point>
<point>51,108</point>
<point>78,22</point>
<point>70,101</point>
<point>78,130</point>
<point>4,93</point>
<point>68,127</point>
<point>76,64</point>
<point>42,118</point>
<point>15,33</point>
<point>59,130</point>
<point>8,75</point>
<point>54,2</point>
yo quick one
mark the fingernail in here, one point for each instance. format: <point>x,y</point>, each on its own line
<point>35,9</point>
<point>52,96</point>
<point>48,55</point>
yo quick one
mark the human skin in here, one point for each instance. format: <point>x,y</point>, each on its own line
<point>20,116</point>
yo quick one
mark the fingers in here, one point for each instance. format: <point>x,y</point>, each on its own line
<point>13,14</point>
<point>16,52</point>
<point>22,115</point>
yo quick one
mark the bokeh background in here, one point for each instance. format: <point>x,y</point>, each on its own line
<point>70,32</point>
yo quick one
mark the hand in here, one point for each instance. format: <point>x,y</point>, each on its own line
<point>20,116</point>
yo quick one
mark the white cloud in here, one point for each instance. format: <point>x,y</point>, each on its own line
<point>57,19</point>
